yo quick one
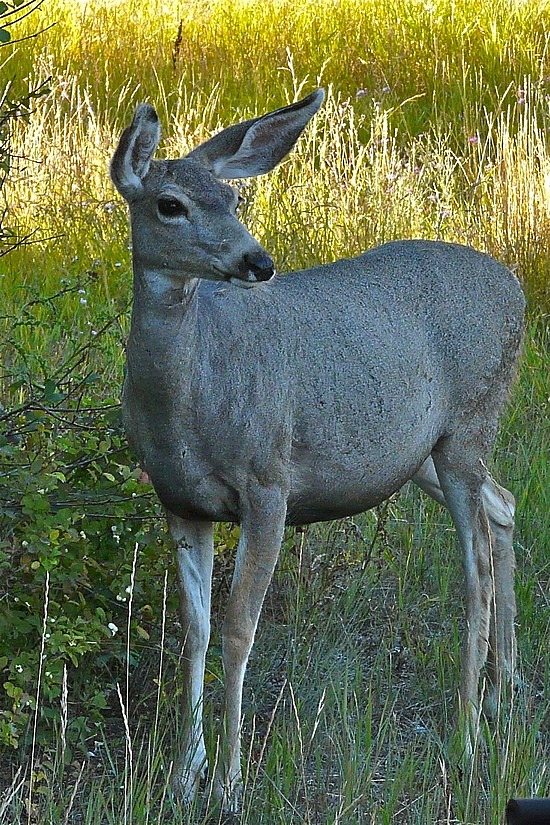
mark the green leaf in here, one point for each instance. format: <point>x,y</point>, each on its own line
<point>98,701</point>
<point>14,691</point>
<point>51,392</point>
<point>35,503</point>
<point>5,36</point>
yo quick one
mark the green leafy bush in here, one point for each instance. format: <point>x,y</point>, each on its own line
<point>73,515</point>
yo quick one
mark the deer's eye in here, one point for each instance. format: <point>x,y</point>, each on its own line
<point>172,208</point>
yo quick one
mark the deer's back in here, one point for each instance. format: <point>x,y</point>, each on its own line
<point>467,307</point>
<point>390,318</point>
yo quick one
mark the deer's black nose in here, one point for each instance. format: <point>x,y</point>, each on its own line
<point>259,265</point>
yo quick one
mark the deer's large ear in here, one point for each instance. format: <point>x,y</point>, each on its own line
<point>257,146</point>
<point>133,154</point>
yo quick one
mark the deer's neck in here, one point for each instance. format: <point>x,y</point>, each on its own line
<point>163,329</point>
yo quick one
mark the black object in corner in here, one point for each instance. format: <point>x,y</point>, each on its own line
<point>528,812</point>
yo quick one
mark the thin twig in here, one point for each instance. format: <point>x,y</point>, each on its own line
<point>38,689</point>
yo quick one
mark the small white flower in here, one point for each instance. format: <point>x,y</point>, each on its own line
<point>113,628</point>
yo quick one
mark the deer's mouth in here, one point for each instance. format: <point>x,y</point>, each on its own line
<point>247,278</point>
<point>249,281</point>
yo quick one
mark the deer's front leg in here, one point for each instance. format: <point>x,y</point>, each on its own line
<point>262,527</point>
<point>195,554</point>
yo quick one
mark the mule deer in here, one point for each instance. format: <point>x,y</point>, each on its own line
<point>305,397</point>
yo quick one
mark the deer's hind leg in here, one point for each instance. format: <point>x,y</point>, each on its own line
<point>462,484</point>
<point>499,506</point>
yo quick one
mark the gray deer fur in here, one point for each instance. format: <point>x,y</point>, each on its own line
<point>304,397</point>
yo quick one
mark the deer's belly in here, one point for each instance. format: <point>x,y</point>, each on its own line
<point>339,480</point>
